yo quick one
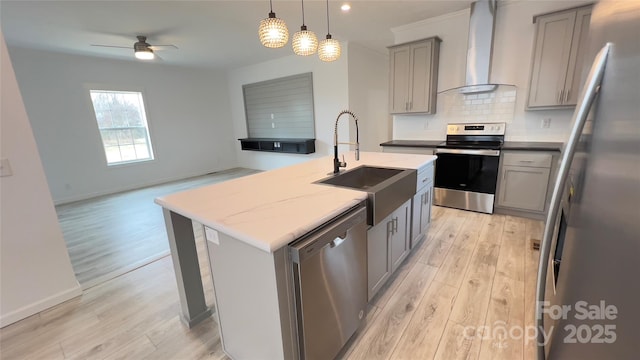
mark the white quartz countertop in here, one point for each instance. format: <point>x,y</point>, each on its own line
<point>269,210</point>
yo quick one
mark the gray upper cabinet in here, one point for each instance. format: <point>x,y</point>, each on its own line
<point>413,77</point>
<point>559,52</point>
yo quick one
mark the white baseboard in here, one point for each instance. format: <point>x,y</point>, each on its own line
<point>38,306</point>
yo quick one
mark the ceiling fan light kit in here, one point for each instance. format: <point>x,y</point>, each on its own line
<point>142,50</point>
<point>144,54</point>
<point>273,32</point>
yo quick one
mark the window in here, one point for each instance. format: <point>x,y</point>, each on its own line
<point>123,126</point>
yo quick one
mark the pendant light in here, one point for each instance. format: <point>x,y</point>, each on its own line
<point>272,31</point>
<point>304,41</point>
<point>329,48</point>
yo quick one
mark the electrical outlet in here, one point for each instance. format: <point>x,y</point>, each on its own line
<point>5,168</point>
<point>546,123</point>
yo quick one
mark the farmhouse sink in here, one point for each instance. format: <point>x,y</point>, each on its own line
<point>387,188</point>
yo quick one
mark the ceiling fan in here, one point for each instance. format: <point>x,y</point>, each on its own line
<point>142,49</point>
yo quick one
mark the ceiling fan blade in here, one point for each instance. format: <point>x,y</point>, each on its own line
<point>113,46</point>
<point>163,47</point>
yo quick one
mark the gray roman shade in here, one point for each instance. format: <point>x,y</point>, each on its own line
<point>280,108</point>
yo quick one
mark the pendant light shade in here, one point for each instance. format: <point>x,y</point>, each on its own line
<point>273,32</point>
<point>305,42</point>
<point>329,49</point>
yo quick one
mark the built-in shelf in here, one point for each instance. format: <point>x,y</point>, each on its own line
<point>293,146</point>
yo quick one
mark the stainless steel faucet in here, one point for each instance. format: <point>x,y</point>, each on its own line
<point>337,164</point>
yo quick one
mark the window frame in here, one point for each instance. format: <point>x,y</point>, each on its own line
<point>122,89</point>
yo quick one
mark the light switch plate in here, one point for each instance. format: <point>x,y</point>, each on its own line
<point>211,235</point>
<point>5,167</point>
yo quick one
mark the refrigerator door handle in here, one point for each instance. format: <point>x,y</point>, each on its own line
<point>586,99</point>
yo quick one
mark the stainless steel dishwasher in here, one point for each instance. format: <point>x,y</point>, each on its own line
<point>330,281</point>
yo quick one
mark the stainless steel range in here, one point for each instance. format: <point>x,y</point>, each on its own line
<point>467,166</point>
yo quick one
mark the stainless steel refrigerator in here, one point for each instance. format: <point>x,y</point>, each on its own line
<point>589,277</point>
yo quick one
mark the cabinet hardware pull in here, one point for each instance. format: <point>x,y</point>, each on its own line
<point>561,96</point>
<point>558,96</point>
<point>395,225</point>
<point>389,228</point>
<point>566,98</point>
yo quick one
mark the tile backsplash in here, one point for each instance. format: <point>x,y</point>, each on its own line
<point>496,106</point>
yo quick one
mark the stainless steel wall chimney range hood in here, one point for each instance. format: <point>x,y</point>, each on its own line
<point>479,48</point>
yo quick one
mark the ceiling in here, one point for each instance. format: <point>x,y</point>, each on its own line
<point>212,34</point>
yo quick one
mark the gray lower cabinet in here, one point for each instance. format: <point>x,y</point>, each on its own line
<point>387,247</point>
<point>524,181</point>
<point>421,214</point>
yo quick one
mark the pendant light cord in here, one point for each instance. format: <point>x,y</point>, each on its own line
<point>302,1</point>
<point>271,5</point>
<point>328,32</point>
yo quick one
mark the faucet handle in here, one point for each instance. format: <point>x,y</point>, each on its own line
<point>343,163</point>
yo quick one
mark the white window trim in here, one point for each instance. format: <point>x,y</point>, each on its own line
<point>124,88</point>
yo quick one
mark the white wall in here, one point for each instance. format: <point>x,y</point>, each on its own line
<point>330,92</point>
<point>511,64</point>
<point>368,95</point>
<point>188,114</point>
<point>35,270</point>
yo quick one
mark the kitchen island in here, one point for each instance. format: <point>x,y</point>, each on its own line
<point>248,222</point>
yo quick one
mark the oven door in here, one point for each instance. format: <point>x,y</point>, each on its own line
<point>466,178</point>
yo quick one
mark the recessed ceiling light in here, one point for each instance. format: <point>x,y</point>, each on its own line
<point>345,7</point>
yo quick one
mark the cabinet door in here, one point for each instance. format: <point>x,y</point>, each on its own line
<point>578,52</point>
<point>399,239</point>
<point>378,266</point>
<point>523,187</point>
<point>420,83</point>
<point>416,216</point>
<point>425,210</point>
<point>551,58</point>
<point>399,74</point>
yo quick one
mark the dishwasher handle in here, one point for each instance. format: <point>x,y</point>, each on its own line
<point>332,234</point>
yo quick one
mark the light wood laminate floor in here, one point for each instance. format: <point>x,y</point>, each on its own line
<point>110,235</point>
<point>472,270</point>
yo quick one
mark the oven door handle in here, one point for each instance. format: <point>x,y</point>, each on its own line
<point>469,152</point>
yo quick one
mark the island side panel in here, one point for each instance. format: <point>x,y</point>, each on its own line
<point>187,269</point>
<point>253,312</point>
